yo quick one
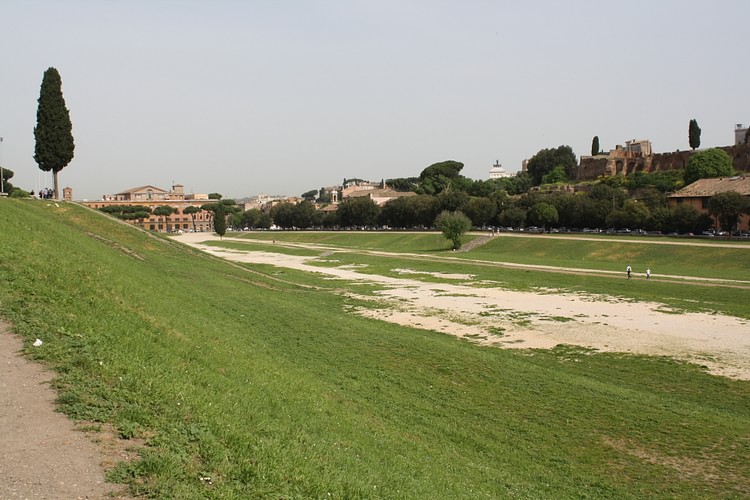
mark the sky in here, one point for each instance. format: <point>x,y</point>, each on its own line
<point>282,96</point>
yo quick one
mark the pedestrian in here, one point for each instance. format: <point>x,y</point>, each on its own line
<point>628,270</point>
<point>648,273</point>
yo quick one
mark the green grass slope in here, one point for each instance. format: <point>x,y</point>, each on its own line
<point>272,390</point>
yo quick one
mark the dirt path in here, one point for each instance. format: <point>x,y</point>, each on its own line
<point>43,456</point>
<point>512,319</point>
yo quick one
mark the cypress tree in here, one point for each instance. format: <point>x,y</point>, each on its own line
<point>220,220</point>
<point>595,146</point>
<point>694,134</point>
<point>53,132</point>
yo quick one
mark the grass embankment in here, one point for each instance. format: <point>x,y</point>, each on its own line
<point>271,390</point>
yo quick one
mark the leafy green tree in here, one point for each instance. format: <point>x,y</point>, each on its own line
<point>481,211</point>
<point>165,211</point>
<point>438,177</point>
<point>214,196</point>
<point>191,211</point>
<point>398,213</point>
<point>330,220</point>
<point>712,162</point>
<point>519,184</point>
<point>728,207</point>
<point>632,214</point>
<point>403,184</point>
<point>665,181</point>
<point>6,175</point>
<point>19,193</point>
<point>251,217</point>
<point>453,225</point>
<point>54,131</point>
<point>512,217</point>
<point>359,211</point>
<point>453,201</point>
<point>304,215</point>
<point>546,160</point>
<point>128,212</point>
<point>543,214</point>
<point>310,195</point>
<point>220,220</point>
<point>283,215</point>
<point>694,134</point>
<point>595,146</point>
<point>425,209</point>
<point>555,175</point>
<point>686,219</point>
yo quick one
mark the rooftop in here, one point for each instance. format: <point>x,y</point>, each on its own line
<point>709,187</point>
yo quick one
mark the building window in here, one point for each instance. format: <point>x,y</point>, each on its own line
<point>704,203</point>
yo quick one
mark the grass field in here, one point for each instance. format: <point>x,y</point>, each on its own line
<point>262,382</point>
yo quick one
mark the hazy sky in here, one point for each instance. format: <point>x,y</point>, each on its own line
<point>281,96</point>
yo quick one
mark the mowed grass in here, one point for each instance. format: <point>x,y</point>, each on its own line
<point>595,252</point>
<point>392,241</point>
<point>272,390</point>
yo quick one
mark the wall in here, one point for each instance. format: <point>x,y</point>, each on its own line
<point>591,167</point>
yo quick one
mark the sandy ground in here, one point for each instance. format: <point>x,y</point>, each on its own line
<point>493,316</point>
<point>43,456</point>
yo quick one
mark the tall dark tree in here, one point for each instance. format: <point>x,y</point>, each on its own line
<point>595,146</point>
<point>54,131</point>
<point>220,220</point>
<point>694,134</point>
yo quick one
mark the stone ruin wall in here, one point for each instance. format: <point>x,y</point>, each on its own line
<point>592,167</point>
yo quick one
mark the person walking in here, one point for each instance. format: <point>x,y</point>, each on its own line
<point>648,273</point>
<point>628,270</point>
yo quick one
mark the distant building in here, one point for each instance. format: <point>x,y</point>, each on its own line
<point>378,195</point>
<point>740,131</point>
<point>68,194</point>
<point>151,197</point>
<point>633,149</point>
<point>700,192</point>
<point>498,172</point>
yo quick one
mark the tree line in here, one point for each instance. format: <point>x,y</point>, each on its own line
<point>534,198</point>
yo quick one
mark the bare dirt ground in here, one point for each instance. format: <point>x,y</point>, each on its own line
<point>43,455</point>
<point>491,315</point>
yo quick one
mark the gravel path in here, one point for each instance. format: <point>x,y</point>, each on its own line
<point>43,456</point>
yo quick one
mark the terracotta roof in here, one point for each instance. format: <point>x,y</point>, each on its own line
<point>709,187</point>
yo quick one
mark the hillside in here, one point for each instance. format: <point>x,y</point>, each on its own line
<point>260,380</point>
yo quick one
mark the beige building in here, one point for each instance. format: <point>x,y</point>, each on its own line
<point>152,197</point>
<point>378,195</point>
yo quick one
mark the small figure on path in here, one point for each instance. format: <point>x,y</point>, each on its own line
<point>628,270</point>
<point>648,273</point>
